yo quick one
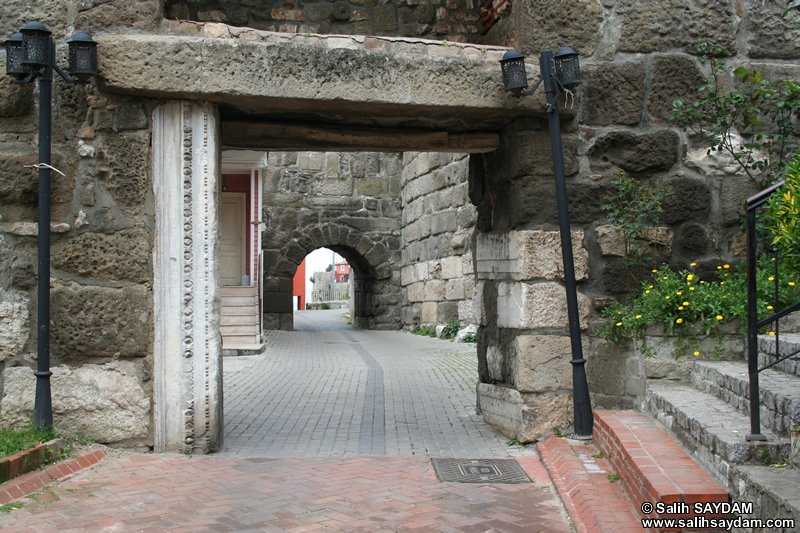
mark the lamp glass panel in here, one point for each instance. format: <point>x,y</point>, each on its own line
<point>568,69</point>
<point>14,57</point>
<point>82,59</point>
<point>36,47</point>
<point>514,75</point>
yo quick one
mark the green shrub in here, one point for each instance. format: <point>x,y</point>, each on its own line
<point>450,330</point>
<point>783,217</point>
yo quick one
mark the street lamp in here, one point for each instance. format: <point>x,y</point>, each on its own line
<point>560,73</point>
<point>30,55</point>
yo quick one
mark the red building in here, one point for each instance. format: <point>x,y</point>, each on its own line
<point>342,272</point>
<point>299,286</point>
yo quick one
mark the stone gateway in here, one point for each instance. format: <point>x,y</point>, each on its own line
<point>389,139</point>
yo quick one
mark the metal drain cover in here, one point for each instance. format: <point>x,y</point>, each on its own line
<point>479,471</point>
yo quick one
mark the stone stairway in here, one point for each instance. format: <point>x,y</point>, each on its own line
<point>239,321</point>
<point>710,418</point>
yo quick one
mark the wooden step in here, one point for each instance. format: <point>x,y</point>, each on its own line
<point>238,291</point>
<point>238,320</point>
<point>227,331</point>
<point>236,301</point>
<point>652,467</point>
<point>239,310</point>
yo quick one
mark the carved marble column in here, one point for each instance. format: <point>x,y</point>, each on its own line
<point>187,347</point>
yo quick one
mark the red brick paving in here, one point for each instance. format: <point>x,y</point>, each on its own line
<point>595,504</point>
<point>158,493</point>
<point>33,481</point>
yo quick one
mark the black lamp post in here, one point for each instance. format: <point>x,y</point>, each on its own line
<point>559,72</point>
<point>30,55</point>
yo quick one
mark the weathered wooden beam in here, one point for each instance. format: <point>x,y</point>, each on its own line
<point>276,136</point>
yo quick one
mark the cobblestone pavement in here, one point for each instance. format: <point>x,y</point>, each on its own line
<point>371,405</point>
<point>328,389</point>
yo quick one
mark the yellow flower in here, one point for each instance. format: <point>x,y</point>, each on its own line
<point>685,303</point>
<point>701,282</point>
<point>769,307</point>
<point>791,283</point>
<point>691,288</point>
<point>647,292</point>
<point>666,297</point>
<point>619,323</point>
<point>722,283</point>
<point>680,360</point>
<point>665,277</point>
<point>654,271</point>
<point>693,264</point>
<point>651,286</point>
<point>719,317</point>
<point>772,333</point>
<point>726,266</point>
<point>719,268</point>
<point>697,353</point>
<point>679,293</point>
<point>679,321</point>
<point>772,278</point>
<point>690,277</point>
<point>638,316</point>
<point>680,308</point>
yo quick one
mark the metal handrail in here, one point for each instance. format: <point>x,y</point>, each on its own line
<point>753,324</point>
<point>260,289</point>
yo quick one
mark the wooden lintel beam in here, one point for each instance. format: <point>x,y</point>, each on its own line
<point>273,136</point>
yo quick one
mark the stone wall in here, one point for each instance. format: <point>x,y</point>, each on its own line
<point>452,20</point>
<point>347,202</point>
<point>438,228</point>
<point>637,56</point>
<point>102,241</point>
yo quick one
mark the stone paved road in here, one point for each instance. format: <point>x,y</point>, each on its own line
<point>330,389</point>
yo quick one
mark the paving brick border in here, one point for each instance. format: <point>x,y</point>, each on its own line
<point>31,482</point>
<point>594,503</point>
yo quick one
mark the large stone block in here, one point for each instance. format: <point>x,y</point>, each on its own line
<point>528,417</point>
<point>692,201</point>
<point>732,195</point>
<point>656,241</point>
<point>53,14</point>
<point>660,26</point>
<point>539,24</point>
<point>123,163</point>
<point>528,255</point>
<point>543,363</point>
<point>105,403</point>
<point>649,152</point>
<point>15,100</point>
<point>674,77</point>
<point>15,326</point>
<point>538,305</point>
<point>96,255</point>
<point>96,321</point>
<point>97,16</point>
<point>613,94</point>
<point>769,34</point>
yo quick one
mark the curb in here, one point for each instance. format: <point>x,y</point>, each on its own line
<point>29,483</point>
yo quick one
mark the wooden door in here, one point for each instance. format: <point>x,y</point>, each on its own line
<point>232,238</point>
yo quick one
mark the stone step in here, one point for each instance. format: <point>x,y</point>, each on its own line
<point>238,291</point>
<point>730,382</point>
<point>228,331</point>
<point>236,301</point>
<point>788,343</point>
<point>248,319</point>
<point>651,466</point>
<point>714,430</point>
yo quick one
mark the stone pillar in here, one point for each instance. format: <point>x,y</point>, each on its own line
<point>187,343</point>
<point>524,354</point>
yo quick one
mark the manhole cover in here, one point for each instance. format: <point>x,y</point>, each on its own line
<point>479,471</point>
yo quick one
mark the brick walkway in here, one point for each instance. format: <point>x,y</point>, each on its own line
<point>355,494</point>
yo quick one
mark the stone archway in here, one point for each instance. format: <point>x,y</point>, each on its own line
<point>373,259</point>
